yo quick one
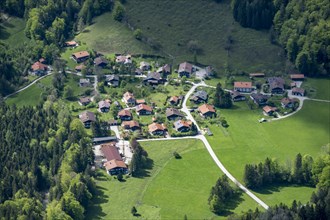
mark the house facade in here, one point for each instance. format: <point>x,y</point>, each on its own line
<point>129,99</point>
<point>115,167</point>
<point>185,69</point>
<point>237,96</point>
<point>298,92</point>
<point>125,115</point>
<point>104,106</point>
<point>199,96</point>
<point>157,129</point>
<point>87,118</point>
<point>80,56</point>
<point>207,111</point>
<point>182,126</point>
<point>276,85</point>
<point>112,80</point>
<point>245,87</point>
<point>84,82</point>
<point>173,114</point>
<point>259,98</point>
<point>143,109</point>
<point>131,125</point>
<point>83,101</point>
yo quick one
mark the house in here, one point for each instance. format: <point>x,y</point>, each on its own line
<point>256,75</point>
<point>157,129</point>
<point>131,125</point>
<point>259,98</point>
<point>202,73</point>
<point>87,118</point>
<point>173,114</point>
<point>293,84</point>
<point>287,103</point>
<point>185,69</point>
<point>297,77</point>
<point>207,111</point>
<point>143,109</point>
<point>298,91</point>
<point>276,85</point>
<point>113,122</point>
<point>129,99</point>
<point>71,44</point>
<point>84,101</point>
<point>175,100</point>
<point>112,80</point>
<point>182,126</point>
<point>80,67</point>
<point>268,110</point>
<point>124,59</point>
<point>101,61</point>
<point>115,167</point>
<point>140,101</point>
<point>164,70</point>
<point>243,87</point>
<point>39,69</point>
<point>104,106</point>
<point>110,151</point>
<point>237,96</point>
<point>80,56</point>
<point>145,66</point>
<point>153,78</point>
<point>199,96</point>
<point>84,82</point>
<point>125,115</point>
<point>138,72</point>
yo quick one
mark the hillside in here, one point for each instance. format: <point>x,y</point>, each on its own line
<point>173,24</point>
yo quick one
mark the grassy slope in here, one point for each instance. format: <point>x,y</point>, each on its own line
<point>317,88</point>
<point>174,23</point>
<point>248,141</point>
<point>109,36</point>
<point>12,31</point>
<point>168,185</point>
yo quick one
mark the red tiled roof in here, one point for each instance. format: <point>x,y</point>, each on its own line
<point>268,109</point>
<point>206,108</point>
<point>109,165</point>
<point>38,66</point>
<point>242,84</point>
<point>80,54</point>
<point>110,151</point>
<point>124,112</point>
<point>155,126</point>
<point>297,76</point>
<point>143,107</point>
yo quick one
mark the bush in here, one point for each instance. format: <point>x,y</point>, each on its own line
<point>138,34</point>
<point>176,155</point>
<point>119,12</point>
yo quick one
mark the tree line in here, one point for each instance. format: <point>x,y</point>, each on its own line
<point>300,27</point>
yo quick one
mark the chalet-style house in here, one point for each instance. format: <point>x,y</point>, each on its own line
<point>124,59</point>
<point>164,70</point>
<point>287,103</point>
<point>112,80</point>
<point>259,98</point>
<point>104,106</point>
<point>87,118</point>
<point>80,67</point>
<point>298,92</point>
<point>245,87</point>
<point>80,56</point>
<point>131,125</point>
<point>199,96</point>
<point>207,111</point>
<point>101,61</point>
<point>110,151</point>
<point>297,77</point>
<point>276,85</point>
<point>237,96</point>
<point>84,82</point>
<point>39,69</point>
<point>293,84</point>
<point>143,109</point>
<point>145,66</point>
<point>173,114</point>
<point>185,69</point>
<point>84,101</point>
<point>175,100</point>
<point>157,129</point>
<point>115,167</point>
<point>256,75</point>
<point>71,44</point>
<point>182,126</point>
<point>125,115</point>
<point>129,99</point>
<point>268,110</point>
<point>153,78</point>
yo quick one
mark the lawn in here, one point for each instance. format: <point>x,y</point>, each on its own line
<point>108,36</point>
<point>247,141</point>
<point>169,190</point>
<point>32,95</point>
<point>317,88</point>
<point>66,55</point>
<point>172,24</point>
<point>12,31</point>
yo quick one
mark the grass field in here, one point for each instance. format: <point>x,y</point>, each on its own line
<point>317,88</point>
<point>32,95</point>
<point>109,36</point>
<point>173,24</point>
<point>169,190</point>
<point>12,31</point>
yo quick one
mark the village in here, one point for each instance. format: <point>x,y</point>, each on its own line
<point>139,117</point>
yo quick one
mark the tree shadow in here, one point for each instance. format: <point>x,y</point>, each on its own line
<point>274,188</point>
<point>8,25</point>
<point>94,209</point>
<point>146,171</point>
<point>3,33</point>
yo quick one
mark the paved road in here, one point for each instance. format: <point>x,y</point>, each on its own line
<point>24,88</point>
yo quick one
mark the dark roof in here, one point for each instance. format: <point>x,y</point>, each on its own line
<point>276,82</point>
<point>185,67</point>
<point>153,75</point>
<point>201,95</point>
<point>173,111</point>
<point>84,100</point>
<point>104,104</point>
<point>112,77</point>
<point>100,60</point>
<point>235,94</point>
<point>110,151</point>
<point>259,96</point>
<point>87,116</point>
<point>298,90</point>
<point>103,139</point>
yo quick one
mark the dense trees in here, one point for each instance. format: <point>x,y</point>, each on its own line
<point>222,99</point>
<point>139,159</point>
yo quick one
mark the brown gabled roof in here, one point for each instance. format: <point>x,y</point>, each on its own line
<point>268,109</point>
<point>155,127</point>
<point>286,101</point>
<point>205,108</point>
<point>84,100</point>
<point>242,84</point>
<point>174,99</point>
<point>109,165</point>
<point>143,107</point>
<point>128,95</point>
<point>185,67</point>
<point>297,76</point>
<point>104,104</point>
<point>110,151</point>
<point>130,124</point>
<point>173,111</point>
<point>181,123</point>
<point>80,54</point>
<point>140,101</point>
<point>38,66</point>
<point>87,116</point>
<point>124,112</point>
<point>298,90</point>
<point>80,67</point>
<point>71,43</point>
